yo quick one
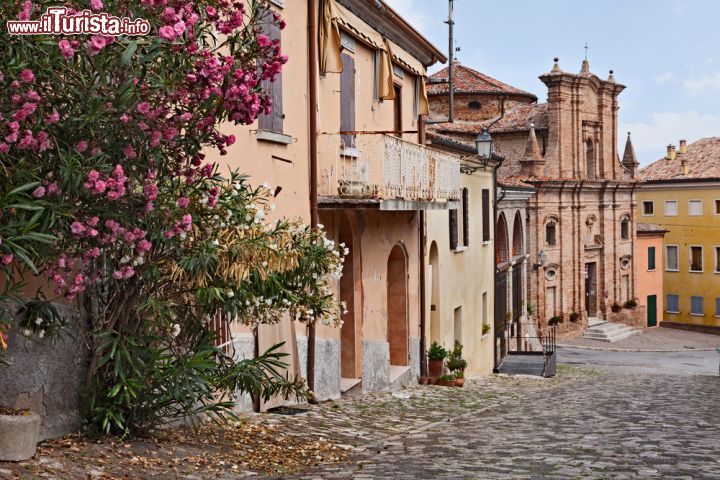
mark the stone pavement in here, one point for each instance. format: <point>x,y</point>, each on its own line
<point>659,339</point>
<point>580,425</point>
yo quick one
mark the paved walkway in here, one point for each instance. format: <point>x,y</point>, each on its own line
<point>598,426</point>
<point>659,339</point>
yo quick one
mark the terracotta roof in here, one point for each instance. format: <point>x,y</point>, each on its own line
<point>467,80</point>
<point>702,159</point>
<point>516,120</point>
<point>519,119</point>
<point>650,228</point>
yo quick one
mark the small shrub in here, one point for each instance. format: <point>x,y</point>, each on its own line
<point>630,304</point>
<point>437,352</point>
<point>574,317</point>
<point>615,307</point>
<point>459,374</point>
<point>455,360</point>
<point>446,378</point>
<point>554,321</point>
<point>486,328</point>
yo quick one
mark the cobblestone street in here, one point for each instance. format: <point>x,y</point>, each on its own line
<point>579,425</point>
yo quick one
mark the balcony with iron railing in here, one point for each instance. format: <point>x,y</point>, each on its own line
<point>384,170</point>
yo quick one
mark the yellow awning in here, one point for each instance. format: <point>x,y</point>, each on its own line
<point>358,28</point>
<point>405,60</point>
<point>329,38</point>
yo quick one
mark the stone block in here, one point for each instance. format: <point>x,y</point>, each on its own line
<point>19,435</point>
<point>376,366</point>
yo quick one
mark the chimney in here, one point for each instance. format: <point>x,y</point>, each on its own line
<point>683,146</point>
<point>670,152</point>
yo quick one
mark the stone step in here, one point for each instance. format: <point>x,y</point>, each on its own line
<point>400,376</point>
<point>350,386</point>
<point>592,321</point>
<point>610,332</point>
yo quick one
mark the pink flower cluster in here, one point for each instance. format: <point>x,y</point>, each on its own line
<point>113,185</point>
<point>181,226</point>
<point>18,128</point>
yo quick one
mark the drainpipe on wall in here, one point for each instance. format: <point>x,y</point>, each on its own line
<point>314,216</point>
<point>496,200</point>
<point>421,258</point>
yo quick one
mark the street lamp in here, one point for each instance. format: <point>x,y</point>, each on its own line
<point>541,259</point>
<point>484,145</point>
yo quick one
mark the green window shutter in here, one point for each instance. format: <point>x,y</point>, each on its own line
<point>651,258</point>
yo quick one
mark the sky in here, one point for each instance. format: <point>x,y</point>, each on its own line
<point>666,52</point>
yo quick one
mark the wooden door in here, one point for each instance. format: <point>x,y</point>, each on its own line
<point>591,289</point>
<point>652,311</point>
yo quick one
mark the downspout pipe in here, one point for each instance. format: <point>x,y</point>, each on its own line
<point>421,259</point>
<point>498,163</point>
<point>314,215</point>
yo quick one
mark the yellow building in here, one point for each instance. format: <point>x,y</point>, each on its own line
<point>681,192</point>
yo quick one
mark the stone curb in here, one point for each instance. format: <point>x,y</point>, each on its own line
<point>602,349</point>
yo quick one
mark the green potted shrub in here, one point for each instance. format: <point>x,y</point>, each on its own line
<point>455,361</point>
<point>446,380</point>
<point>436,357</point>
<point>574,317</point>
<point>459,378</point>
<point>554,321</point>
<point>615,307</point>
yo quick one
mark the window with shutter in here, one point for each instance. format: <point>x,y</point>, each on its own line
<point>347,100</point>
<point>696,306</point>
<point>651,258</point>
<point>272,122</point>
<point>486,215</point>
<point>717,259</point>
<point>453,226</point>
<point>673,303</point>
<point>695,208</point>
<point>671,258</point>
<point>466,216</point>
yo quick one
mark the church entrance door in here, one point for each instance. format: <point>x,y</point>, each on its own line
<point>591,289</point>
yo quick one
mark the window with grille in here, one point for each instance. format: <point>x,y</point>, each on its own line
<point>696,259</point>
<point>671,258</point>
<point>673,304</point>
<point>696,306</point>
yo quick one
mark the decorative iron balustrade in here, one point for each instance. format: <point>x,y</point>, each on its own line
<point>386,167</point>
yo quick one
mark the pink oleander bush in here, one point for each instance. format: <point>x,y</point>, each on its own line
<point>105,192</point>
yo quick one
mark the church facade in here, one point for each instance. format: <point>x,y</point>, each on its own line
<point>580,219</point>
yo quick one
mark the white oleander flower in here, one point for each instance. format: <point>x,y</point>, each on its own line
<point>176,330</point>
<point>27,332</point>
<point>41,333</point>
<point>38,321</point>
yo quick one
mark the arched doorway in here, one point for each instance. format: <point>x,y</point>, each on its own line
<point>350,352</point>
<point>434,293</point>
<point>397,327</point>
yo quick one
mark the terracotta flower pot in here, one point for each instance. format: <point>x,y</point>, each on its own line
<point>423,380</point>
<point>432,380</point>
<point>446,383</point>
<point>435,367</point>
<point>18,436</point>
<point>459,382</point>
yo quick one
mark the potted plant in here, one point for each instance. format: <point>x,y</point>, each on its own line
<point>554,321</point>
<point>574,317</point>
<point>459,378</point>
<point>19,434</point>
<point>630,304</point>
<point>423,380</point>
<point>615,307</point>
<point>455,361</point>
<point>436,357</point>
<point>486,329</point>
<point>446,380</point>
